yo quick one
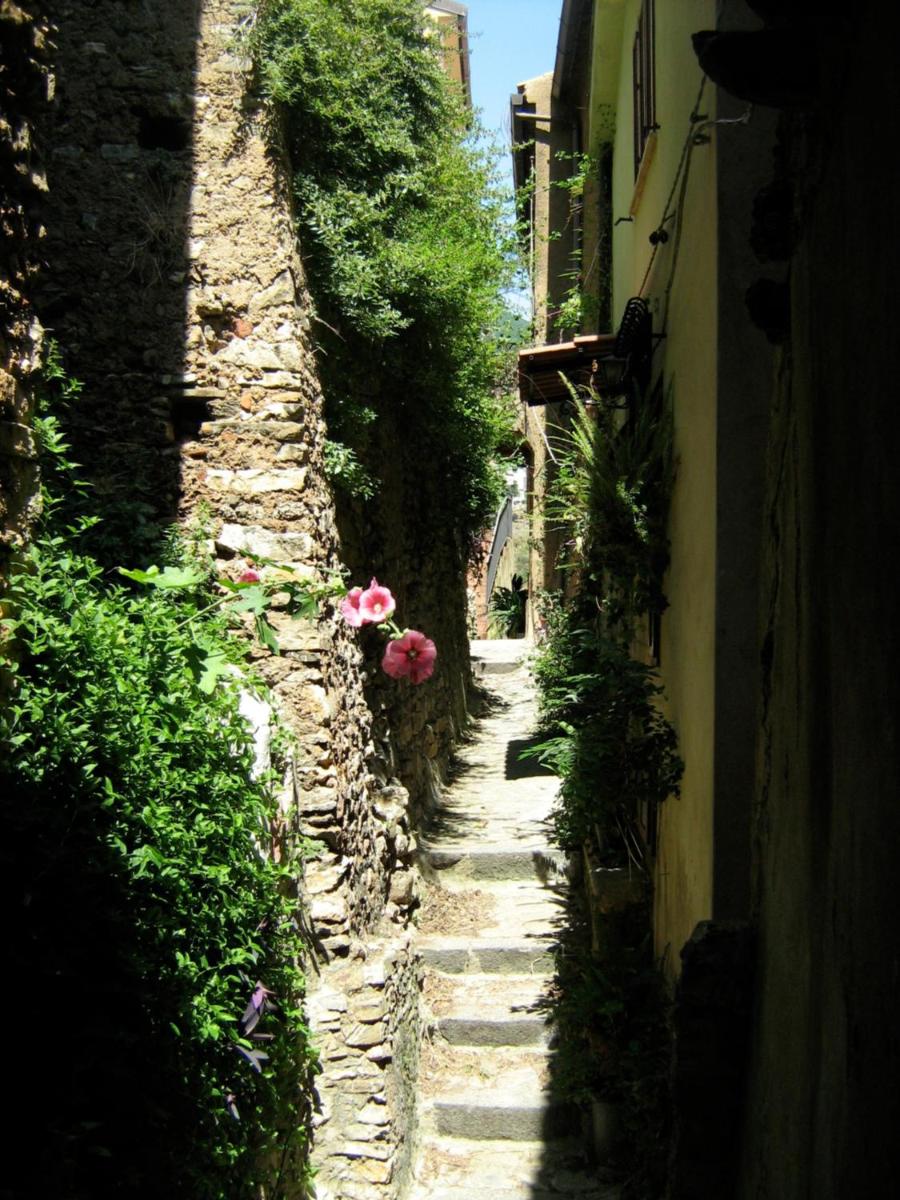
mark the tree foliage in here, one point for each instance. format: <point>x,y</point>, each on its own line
<point>402,227</point>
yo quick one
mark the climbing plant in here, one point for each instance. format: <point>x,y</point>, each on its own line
<point>153,927</point>
<point>401,222</point>
<point>613,749</point>
<point>607,738</point>
<point>583,299</point>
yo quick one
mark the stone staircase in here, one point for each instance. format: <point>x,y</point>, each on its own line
<point>491,1126</point>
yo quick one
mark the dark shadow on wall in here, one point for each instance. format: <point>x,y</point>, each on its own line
<point>824,1107</point>
<point>99,1083</point>
<point>118,143</point>
<point>399,537</point>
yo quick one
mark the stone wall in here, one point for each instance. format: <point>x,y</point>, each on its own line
<point>175,286</point>
<point>425,566</point>
<point>24,84</point>
<point>368,1017</point>
<point>118,140</point>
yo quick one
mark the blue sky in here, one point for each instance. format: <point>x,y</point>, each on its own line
<point>509,40</point>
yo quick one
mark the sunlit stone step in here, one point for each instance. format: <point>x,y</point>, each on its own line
<point>496,862</point>
<point>508,956</point>
<point>514,1116</point>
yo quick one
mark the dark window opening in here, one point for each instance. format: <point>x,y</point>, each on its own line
<point>655,639</point>
<point>157,132</point>
<point>188,414</point>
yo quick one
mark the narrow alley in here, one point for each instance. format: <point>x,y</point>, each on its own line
<point>492,1125</point>
<point>335,334</point>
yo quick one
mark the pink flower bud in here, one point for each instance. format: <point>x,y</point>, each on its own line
<point>376,604</point>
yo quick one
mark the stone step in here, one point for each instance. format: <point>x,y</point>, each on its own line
<point>502,1031</point>
<point>486,818</point>
<point>498,656</point>
<point>502,1170</point>
<point>496,862</point>
<point>504,1112</point>
<point>493,911</point>
<point>499,1094</point>
<point>488,1010</point>
<point>481,667</point>
<point>487,956</point>
<point>474,1191</point>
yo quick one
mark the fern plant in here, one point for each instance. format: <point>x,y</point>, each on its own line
<point>610,495</point>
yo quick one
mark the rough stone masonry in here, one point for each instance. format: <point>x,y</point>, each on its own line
<point>176,289</point>
<point>25,84</point>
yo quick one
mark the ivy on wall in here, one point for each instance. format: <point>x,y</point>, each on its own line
<point>402,227</point>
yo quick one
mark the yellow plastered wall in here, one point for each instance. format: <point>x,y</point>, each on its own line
<point>687,359</point>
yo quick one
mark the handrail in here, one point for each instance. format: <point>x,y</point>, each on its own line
<point>502,530</point>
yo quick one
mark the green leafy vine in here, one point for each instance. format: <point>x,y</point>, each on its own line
<point>403,226</point>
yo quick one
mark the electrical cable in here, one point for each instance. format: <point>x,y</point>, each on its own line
<point>696,137</point>
<point>685,155</point>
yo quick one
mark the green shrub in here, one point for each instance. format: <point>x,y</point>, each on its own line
<point>613,749</point>
<point>612,1017</point>
<point>507,608</point>
<point>402,227</point>
<point>610,495</point>
<point>147,904</point>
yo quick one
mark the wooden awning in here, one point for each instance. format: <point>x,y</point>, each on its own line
<point>579,361</point>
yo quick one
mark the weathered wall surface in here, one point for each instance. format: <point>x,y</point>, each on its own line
<point>425,567</point>
<point>119,161</point>
<point>688,364</point>
<point>24,84</point>
<point>823,1107</point>
<point>175,286</point>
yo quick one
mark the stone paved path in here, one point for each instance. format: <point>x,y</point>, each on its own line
<point>491,1127</point>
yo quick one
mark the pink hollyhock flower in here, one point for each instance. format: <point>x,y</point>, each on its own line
<point>410,656</point>
<point>350,608</point>
<point>376,603</point>
<point>248,575</point>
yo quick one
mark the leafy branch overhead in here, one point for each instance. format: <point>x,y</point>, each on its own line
<point>252,594</point>
<point>405,232</point>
